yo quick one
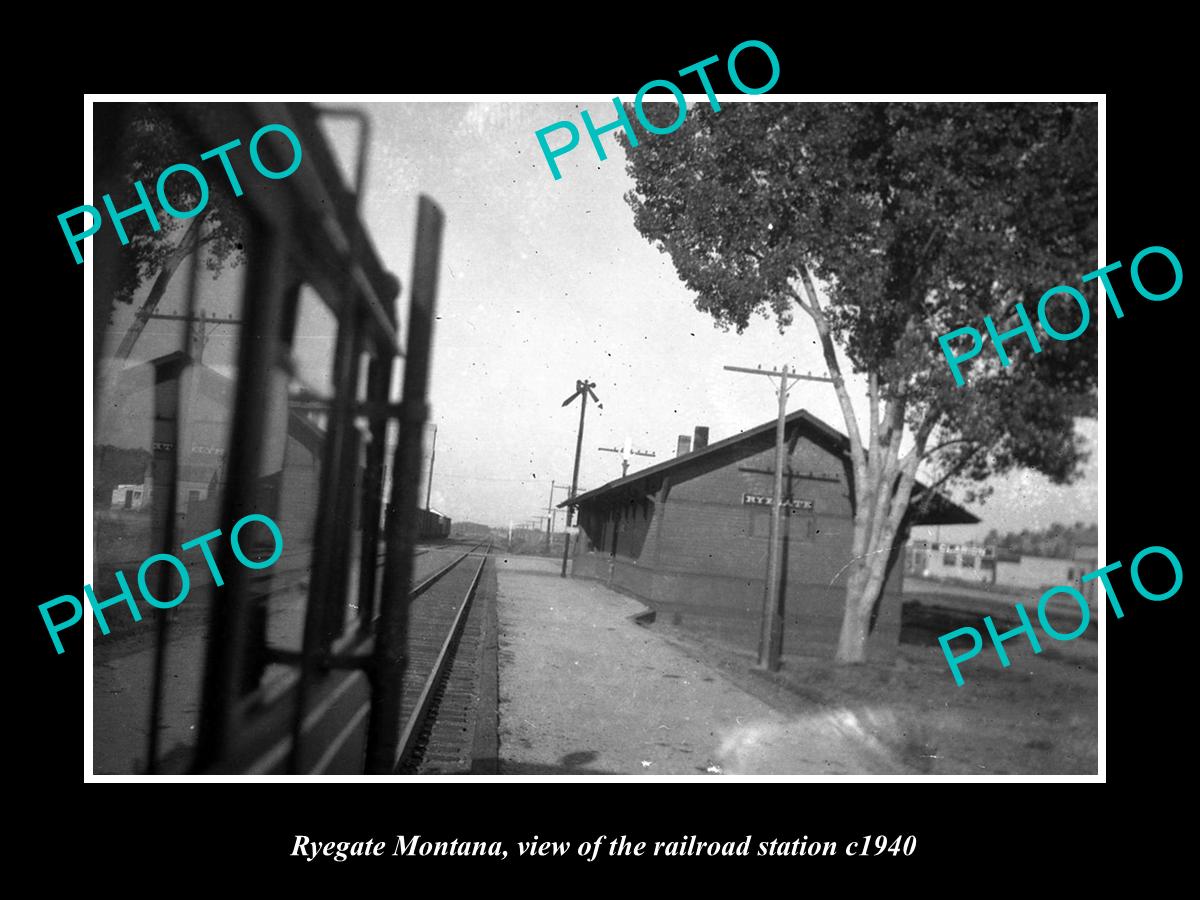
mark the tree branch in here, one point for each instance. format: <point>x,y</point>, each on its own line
<point>874,460</point>
<point>945,444</point>
<point>834,367</point>
<point>924,259</point>
<point>858,460</point>
<point>931,489</point>
<point>799,300</point>
<point>933,415</point>
<point>894,416</point>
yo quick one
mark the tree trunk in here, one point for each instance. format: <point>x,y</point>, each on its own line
<point>882,483</point>
<point>852,642</point>
<point>879,519</point>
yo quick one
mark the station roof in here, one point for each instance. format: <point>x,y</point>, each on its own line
<point>212,385</point>
<point>941,510</point>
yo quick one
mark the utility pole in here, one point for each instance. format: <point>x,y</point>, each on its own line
<point>432,457</point>
<point>626,452</point>
<point>583,389</point>
<point>770,642</point>
<point>550,511</point>
<point>196,326</point>
<point>146,313</point>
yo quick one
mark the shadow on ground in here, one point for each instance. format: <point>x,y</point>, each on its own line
<point>569,764</point>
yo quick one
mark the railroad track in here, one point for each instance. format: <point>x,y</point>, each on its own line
<point>440,702</point>
<point>441,690</point>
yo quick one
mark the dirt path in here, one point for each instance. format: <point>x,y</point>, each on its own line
<point>585,690</point>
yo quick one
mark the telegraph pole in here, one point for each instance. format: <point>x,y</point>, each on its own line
<point>432,457</point>
<point>197,326</point>
<point>770,643</point>
<point>626,452</point>
<point>583,389</point>
<point>550,511</point>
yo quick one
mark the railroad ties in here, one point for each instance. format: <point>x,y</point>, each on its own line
<point>442,708</point>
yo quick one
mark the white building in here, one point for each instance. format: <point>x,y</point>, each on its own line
<point>959,562</point>
<point>130,496</point>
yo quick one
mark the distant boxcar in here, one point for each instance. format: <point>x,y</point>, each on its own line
<point>433,525</point>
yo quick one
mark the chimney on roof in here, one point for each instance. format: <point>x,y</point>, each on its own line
<point>684,446</point>
<point>700,441</point>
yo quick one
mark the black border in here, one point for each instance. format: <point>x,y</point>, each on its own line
<point>1148,406</point>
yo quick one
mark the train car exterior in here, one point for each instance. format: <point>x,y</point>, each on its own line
<point>262,387</point>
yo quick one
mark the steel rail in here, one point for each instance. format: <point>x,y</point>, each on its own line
<point>432,579</point>
<point>416,720</point>
<point>268,759</point>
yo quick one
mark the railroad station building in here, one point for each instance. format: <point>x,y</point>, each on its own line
<point>141,434</point>
<point>689,536</point>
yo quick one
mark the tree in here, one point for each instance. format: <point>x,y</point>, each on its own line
<point>136,142</point>
<point>916,219</point>
<point>1059,541</point>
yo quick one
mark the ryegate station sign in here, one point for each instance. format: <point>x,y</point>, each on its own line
<point>761,500</point>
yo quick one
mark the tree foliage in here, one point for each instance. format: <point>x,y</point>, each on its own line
<point>151,139</point>
<point>917,219</point>
<point>1057,541</point>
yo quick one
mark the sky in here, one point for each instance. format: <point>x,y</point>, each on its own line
<point>544,282</point>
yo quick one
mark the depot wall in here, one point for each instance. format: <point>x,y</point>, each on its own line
<point>696,553</point>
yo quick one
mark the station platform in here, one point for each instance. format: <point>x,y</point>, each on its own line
<point>585,690</point>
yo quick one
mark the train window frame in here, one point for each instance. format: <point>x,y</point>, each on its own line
<point>321,604</point>
<point>308,227</point>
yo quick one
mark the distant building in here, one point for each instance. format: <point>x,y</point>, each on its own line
<point>130,496</point>
<point>1000,567</point>
<point>148,429</point>
<point>1038,573</point>
<point>961,562</point>
<point>471,529</point>
<point>689,536</point>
